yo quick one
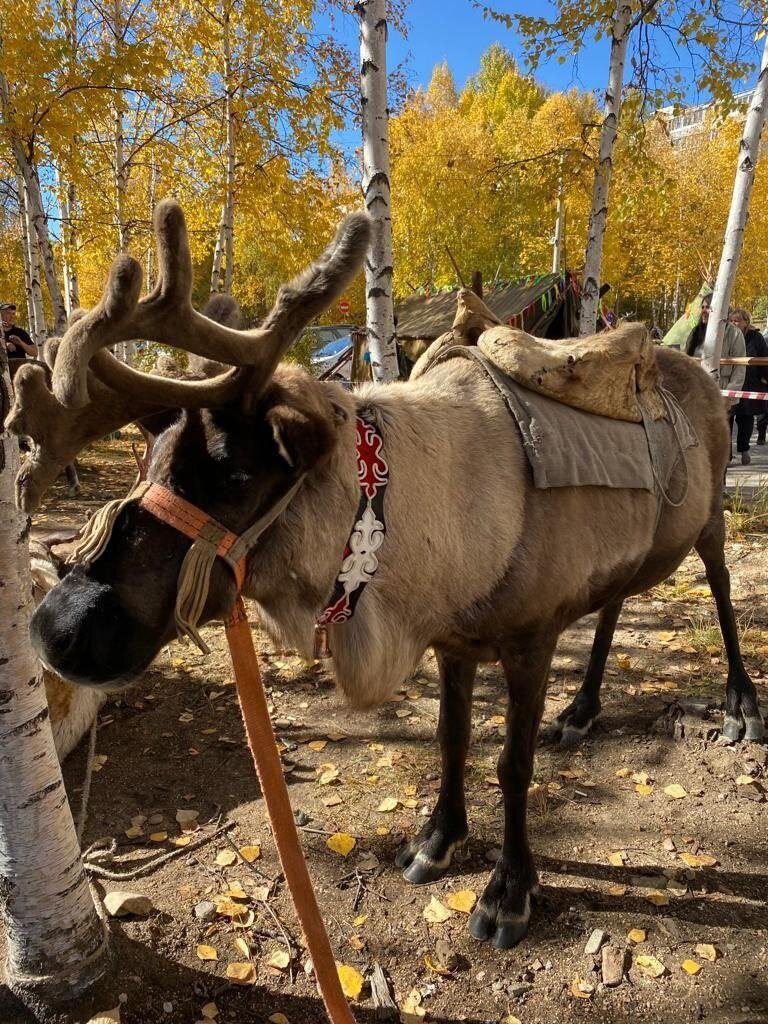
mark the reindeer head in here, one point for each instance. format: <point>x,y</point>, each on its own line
<point>243,440</point>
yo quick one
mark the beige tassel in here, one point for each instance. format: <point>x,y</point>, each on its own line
<point>194,580</point>
<point>98,530</point>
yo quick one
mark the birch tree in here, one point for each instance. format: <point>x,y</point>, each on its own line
<point>31,255</point>
<point>376,188</point>
<point>56,942</point>
<point>749,153</point>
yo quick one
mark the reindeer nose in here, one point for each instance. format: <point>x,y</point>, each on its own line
<point>81,631</point>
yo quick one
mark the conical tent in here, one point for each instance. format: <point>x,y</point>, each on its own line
<point>677,335</point>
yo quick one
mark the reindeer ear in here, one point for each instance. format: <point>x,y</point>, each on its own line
<point>303,440</point>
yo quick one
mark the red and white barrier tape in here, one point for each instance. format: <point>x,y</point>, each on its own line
<point>759,395</point>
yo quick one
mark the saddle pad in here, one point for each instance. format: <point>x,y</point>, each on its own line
<point>567,447</point>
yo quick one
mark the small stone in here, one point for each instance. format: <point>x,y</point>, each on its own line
<point>537,965</point>
<point>595,941</point>
<point>669,845</point>
<point>205,911</point>
<point>613,961</point>
<point>167,1007</point>
<point>301,818</point>
<point>521,989</point>
<point>120,904</point>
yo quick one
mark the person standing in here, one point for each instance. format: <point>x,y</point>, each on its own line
<point>18,343</point>
<point>756,379</point>
<point>731,377</point>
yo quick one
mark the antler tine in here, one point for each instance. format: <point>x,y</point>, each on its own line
<point>109,322</point>
<point>174,260</point>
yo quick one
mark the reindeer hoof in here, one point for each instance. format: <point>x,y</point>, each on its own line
<point>571,725</point>
<point>755,728</point>
<point>429,855</point>
<point>504,910</point>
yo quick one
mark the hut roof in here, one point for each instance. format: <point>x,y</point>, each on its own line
<point>535,299</point>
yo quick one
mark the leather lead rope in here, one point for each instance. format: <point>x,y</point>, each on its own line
<point>263,747</point>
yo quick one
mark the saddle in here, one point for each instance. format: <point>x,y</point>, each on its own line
<point>613,375</point>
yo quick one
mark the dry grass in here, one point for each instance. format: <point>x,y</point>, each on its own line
<point>744,515</point>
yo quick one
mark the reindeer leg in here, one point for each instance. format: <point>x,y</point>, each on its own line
<point>741,707</point>
<point>73,480</point>
<point>504,909</point>
<point>428,856</point>
<point>574,722</point>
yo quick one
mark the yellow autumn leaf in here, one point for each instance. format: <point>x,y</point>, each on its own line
<point>698,860</point>
<point>651,966</point>
<point>435,912</point>
<point>351,981</point>
<point>241,974</point>
<point>745,780</point>
<point>510,1019</point>
<point>389,803</point>
<point>676,791</point>
<point>643,790</point>
<point>241,945</point>
<point>636,935</point>
<point>250,853</point>
<point>206,953</point>
<point>328,773</point>
<point>227,908</point>
<point>278,1018</point>
<point>690,966</point>
<point>462,901</point>
<point>342,843</point>
<point>617,890</point>
<point>411,1010</point>
<point>581,989</point>
<point>210,1011</point>
<point>134,832</point>
<point>707,951</point>
<point>225,858</point>
<point>181,840</point>
<point>361,919</point>
<point>435,967</point>
<point>158,837</point>
<point>622,773</point>
<point>618,858</point>
<point>318,745</point>
<point>277,959</point>
<point>236,892</point>
<point>623,661</point>
<point>659,899</point>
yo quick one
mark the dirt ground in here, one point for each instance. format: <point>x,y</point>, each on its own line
<point>614,850</point>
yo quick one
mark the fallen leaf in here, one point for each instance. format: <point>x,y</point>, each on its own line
<point>336,737</point>
<point>187,818</point>
<point>642,778</point>
<point>462,901</point>
<point>618,858</point>
<point>351,981</point>
<point>119,903</point>
<point>510,1019</point>
<point>745,780</point>
<point>360,920</point>
<point>659,899</point>
<point>651,966</point>
<point>134,832</point>
<point>225,858</point>
<point>236,892</point>
<point>622,773</point>
<point>332,801</point>
<point>411,1010</point>
<point>690,966</point>
<point>435,967</point>
<point>206,953</point>
<point>158,837</point>
<point>666,636</point>
<point>581,989</point>
<point>356,941</point>
<point>181,840</point>
<point>227,908</point>
<point>435,912</point>
<point>250,853</point>
<point>210,1011</point>
<point>623,661</point>
<point>328,773</point>
<point>241,974</point>
<point>99,761</point>
<point>278,1018</point>
<point>318,745</point>
<point>341,842</point>
<point>698,860</point>
<point>643,790</point>
<point>676,791</point>
<point>617,890</point>
<point>241,945</point>
<point>278,959</point>
<point>403,712</point>
<point>636,935</point>
<point>707,951</point>
<point>569,773</point>
<point>106,1017</point>
<point>389,803</point>
<point>492,780</point>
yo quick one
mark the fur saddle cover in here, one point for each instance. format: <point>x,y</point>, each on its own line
<point>606,374</point>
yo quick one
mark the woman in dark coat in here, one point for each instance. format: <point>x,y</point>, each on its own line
<point>756,379</point>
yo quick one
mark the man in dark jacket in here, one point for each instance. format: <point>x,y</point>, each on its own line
<point>756,379</point>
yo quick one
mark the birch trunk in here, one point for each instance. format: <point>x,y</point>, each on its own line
<point>31,310</point>
<point>593,257</point>
<point>37,325</point>
<point>153,176</point>
<point>376,190</point>
<point>56,942</point>
<point>67,199</point>
<point>228,219</point>
<point>121,167</point>
<point>749,153</point>
<point>218,253</point>
<point>557,239</point>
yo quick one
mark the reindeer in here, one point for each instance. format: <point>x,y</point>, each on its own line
<point>475,561</point>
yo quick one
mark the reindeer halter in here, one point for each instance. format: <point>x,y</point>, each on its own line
<point>211,540</point>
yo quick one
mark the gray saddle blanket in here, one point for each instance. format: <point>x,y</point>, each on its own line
<point>570,448</point>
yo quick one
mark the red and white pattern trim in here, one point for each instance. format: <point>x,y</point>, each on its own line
<point>759,395</point>
<point>360,560</point>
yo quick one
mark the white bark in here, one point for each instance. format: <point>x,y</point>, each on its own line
<point>37,325</point>
<point>153,176</point>
<point>67,211</point>
<point>376,189</point>
<point>218,253</point>
<point>749,153</point>
<point>121,167</point>
<point>593,257</point>
<point>31,313</point>
<point>557,240</point>
<point>55,939</point>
